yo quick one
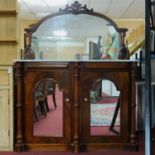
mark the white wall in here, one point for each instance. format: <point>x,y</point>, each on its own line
<point>109,88</point>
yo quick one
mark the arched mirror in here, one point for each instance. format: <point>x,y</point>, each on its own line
<point>69,37</point>
<point>104,109</point>
<point>75,33</point>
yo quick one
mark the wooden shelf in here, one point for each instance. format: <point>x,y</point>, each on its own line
<point>8,12</point>
<point>8,41</point>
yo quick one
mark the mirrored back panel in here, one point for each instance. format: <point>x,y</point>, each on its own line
<point>75,33</point>
<point>74,37</point>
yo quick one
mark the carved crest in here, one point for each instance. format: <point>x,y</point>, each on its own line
<point>76,8</point>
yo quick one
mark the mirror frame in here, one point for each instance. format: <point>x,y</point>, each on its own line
<point>76,8</point>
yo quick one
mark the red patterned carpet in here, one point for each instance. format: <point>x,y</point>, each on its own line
<point>102,114</point>
<point>52,125</point>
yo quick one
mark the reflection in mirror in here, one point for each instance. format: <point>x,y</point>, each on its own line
<point>47,109</point>
<point>104,109</point>
<point>74,37</point>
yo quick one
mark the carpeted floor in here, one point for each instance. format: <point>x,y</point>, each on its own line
<point>52,125</point>
<point>103,130</point>
<point>101,117</point>
<point>102,114</point>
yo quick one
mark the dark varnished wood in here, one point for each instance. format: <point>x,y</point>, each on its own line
<point>19,146</point>
<point>30,78</point>
<point>133,105</point>
<point>75,79</point>
<point>76,69</point>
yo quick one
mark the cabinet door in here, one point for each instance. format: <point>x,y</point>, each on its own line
<point>104,92</point>
<point>6,108</point>
<point>51,127</point>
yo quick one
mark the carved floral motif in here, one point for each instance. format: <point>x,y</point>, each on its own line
<point>75,8</point>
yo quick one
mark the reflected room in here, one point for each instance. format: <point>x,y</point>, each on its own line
<point>47,109</point>
<point>69,38</point>
<point>104,109</point>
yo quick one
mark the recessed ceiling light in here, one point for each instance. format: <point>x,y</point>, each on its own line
<point>60,33</point>
<point>111,29</point>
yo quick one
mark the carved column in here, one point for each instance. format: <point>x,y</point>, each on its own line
<point>76,107</point>
<point>19,144</point>
<point>133,106</point>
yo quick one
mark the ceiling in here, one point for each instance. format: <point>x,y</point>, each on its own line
<point>115,9</point>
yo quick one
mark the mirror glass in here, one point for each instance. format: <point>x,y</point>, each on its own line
<point>104,109</point>
<point>75,37</point>
<point>47,109</point>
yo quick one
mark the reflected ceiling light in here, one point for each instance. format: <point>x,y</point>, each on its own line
<point>60,33</point>
<point>111,29</point>
<point>56,2</point>
<point>55,38</point>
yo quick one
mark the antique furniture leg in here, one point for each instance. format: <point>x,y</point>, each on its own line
<point>35,113</point>
<point>46,104</point>
<point>39,105</point>
<point>114,117</point>
<point>50,90</point>
<point>42,107</point>
<point>54,100</point>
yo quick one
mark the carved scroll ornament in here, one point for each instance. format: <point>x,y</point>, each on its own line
<point>75,8</point>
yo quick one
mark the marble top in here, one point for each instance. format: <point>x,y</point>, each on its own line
<point>39,60</point>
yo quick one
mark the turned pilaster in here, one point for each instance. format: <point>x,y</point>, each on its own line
<point>133,105</point>
<point>76,107</point>
<point>19,146</point>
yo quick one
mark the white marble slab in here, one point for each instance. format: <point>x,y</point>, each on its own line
<point>39,60</point>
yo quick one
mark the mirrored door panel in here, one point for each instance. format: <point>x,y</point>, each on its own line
<point>47,109</point>
<point>104,109</point>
